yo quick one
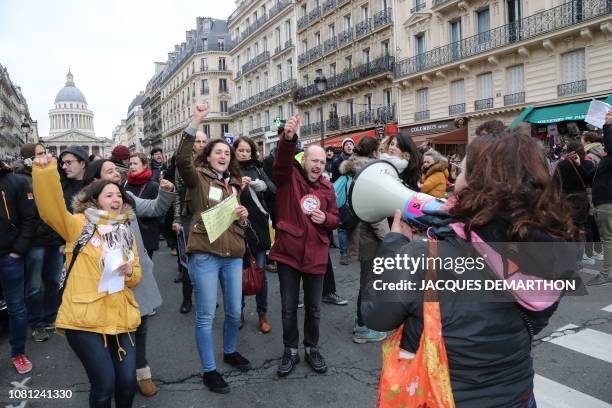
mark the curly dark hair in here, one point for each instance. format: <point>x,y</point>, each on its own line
<point>202,160</point>
<point>251,143</point>
<point>506,174</point>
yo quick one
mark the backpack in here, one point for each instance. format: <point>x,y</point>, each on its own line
<point>348,219</point>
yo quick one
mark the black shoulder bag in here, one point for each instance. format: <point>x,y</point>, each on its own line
<point>88,231</point>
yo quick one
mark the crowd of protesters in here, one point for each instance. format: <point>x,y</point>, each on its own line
<point>64,219</point>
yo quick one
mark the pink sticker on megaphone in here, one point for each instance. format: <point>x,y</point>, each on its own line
<point>417,204</point>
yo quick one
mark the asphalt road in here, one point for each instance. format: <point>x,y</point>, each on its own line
<point>574,366</point>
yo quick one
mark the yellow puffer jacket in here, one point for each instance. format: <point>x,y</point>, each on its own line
<point>83,308</point>
<point>434,181</point>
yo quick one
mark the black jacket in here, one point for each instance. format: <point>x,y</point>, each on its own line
<point>258,239</point>
<point>71,188</point>
<point>149,227</point>
<point>602,180</point>
<point>17,213</point>
<point>488,344</point>
<point>574,183</point>
<point>157,168</point>
<point>44,235</point>
<point>335,169</point>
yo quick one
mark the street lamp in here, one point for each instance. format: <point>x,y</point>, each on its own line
<point>321,85</point>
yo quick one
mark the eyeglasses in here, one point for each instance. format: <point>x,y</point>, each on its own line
<point>68,162</point>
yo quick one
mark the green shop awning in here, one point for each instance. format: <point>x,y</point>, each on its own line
<point>558,113</point>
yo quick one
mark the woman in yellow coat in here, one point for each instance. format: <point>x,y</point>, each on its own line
<point>435,174</point>
<point>97,321</point>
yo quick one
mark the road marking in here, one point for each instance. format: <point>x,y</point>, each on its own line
<point>590,342</point>
<point>607,309</point>
<point>551,394</point>
<point>567,327</point>
<point>590,271</point>
<point>21,385</point>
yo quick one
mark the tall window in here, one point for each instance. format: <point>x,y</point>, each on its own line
<point>419,44</point>
<point>332,69</point>
<point>573,66</point>
<point>422,100</point>
<point>347,22</point>
<point>266,82</point>
<point>223,106</point>
<point>307,118</point>
<point>290,109</point>
<point>277,38</point>
<point>387,97</point>
<point>222,65</point>
<point>204,89</point>
<point>457,92</point>
<point>367,102</point>
<point>288,34</point>
<point>515,80</point>
<point>317,39</point>
<point>365,11</point>
<point>485,86</point>
<point>483,20</point>
<point>331,31</point>
<point>289,69</point>
<point>384,48</point>
<point>205,44</point>
<point>221,44</point>
<point>206,129</point>
<point>224,129</point>
<point>348,62</point>
<point>222,85</point>
<point>279,110</point>
<point>365,56</point>
<point>279,73</point>
<point>304,45</point>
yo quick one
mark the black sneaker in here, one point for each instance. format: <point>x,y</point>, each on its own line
<point>215,382</point>
<point>289,360</point>
<point>186,306</point>
<point>236,360</point>
<point>316,360</point>
<point>600,280</point>
<point>334,299</point>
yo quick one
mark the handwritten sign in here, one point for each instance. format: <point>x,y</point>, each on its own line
<point>219,218</point>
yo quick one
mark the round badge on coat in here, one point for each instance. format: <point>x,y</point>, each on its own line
<point>309,203</point>
<point>96,242</point>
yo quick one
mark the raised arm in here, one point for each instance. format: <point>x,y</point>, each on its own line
<point>158,206</point>
<point>50,199</point>
<point>287,143</point>
<point>183,156</point>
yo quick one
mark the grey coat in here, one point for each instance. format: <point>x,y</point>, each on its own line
<point>147,292</point>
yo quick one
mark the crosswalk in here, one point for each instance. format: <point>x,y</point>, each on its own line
<point>589,342</point>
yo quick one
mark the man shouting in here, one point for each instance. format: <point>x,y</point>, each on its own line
<point>306,211</point>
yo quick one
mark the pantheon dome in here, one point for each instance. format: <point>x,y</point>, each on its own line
<point>70,112</point>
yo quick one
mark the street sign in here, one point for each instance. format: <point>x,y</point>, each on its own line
<point>279,123</point>
<point>229,138</point>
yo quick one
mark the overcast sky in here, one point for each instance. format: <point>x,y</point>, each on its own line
<point>110,44</point>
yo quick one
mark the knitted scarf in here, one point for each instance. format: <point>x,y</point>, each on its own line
<point>114,230</point>
<point>140,178</point>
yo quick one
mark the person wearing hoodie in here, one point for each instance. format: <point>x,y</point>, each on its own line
<point>140,184</point>
<point>488,343</point>
<point>255,184</point>
<point>435,174</point>
<point>367,237</point>
<point>602,201</point>
<point>147,292</point>
<point>97,324</point>
<point>73,162</point>
<point>17,229</point>
<point>43,263</point>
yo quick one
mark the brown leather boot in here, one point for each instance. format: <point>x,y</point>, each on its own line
<point>264,325</point>
<point>146,386</point>
<point>241,320</point>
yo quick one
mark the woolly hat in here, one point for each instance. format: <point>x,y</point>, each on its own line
<point>120,152</point>
<point>78,152</point>
<point>347,140</point>
<point>27,150</point>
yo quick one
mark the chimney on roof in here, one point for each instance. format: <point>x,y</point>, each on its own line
<point>199,22</point>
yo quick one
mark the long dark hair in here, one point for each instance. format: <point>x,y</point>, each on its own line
<point>411,176</point>
<point>367,147</point>
<point>93,171</point>
<point>93,191</point>
<point>506,175</point>
<point>251,143</point>
<point>202,160</point>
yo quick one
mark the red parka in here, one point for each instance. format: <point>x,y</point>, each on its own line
<point>300,243</point>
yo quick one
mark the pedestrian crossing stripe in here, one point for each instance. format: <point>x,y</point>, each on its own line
<point>590,271</point>
<point>551,394</point>
<point>607,309</point>
<point>590,342</point>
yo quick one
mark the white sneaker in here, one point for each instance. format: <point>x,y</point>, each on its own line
<point>588,261</point>
<point>598,256</point>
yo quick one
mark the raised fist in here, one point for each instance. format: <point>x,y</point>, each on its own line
<point>291,127</point>
<point>198,113</point>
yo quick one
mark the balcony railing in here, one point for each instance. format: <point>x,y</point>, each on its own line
<point>328,6</point>
<point>438,2</point>
<point>332,124</point>
<point>572,88</point>
<point>265,95</point>
<point>456,109</point>
<point>315,52</point>
<point>302,22</point>
<point>373,68</point>
<point>367,117</point>
<point>316,128</point>
<point>386,114</point>
<point>314,14</point>
<point>223,91</point>
<point>251,29</point>
<point>362,28</point>
<point>259,130</point>
<point>342,2</point>
<point>255,62</point>
<point>483,104</point>
<point>557,18</point>
<point>514,99</point>
<point>278,8</point>
<point>383,17</point>
<point>419,6</point>
<point>422,115</point>
<point>204,91</point>
<point>330,45</point>
<point>348,121</point>
<point>303,58</point>
<point>305,130</point>
<point>279,49</point>
<point>345,37</point>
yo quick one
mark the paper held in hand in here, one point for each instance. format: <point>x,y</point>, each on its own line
<point>219,218</point>
<point>112,281</point>
<point>596,115</point>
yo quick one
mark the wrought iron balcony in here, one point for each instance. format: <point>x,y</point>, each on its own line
<point>278,8</point>
<point>204,91</point>
<point>383,17</point>
<point>342,2</point>
<point>279,49</point>
<point>316,128</point>
<point>364,71</point>
<point>345,37</point>
<point>328,6</point>
<point>332,124</point>
<point>456,109</point>
<point>348,121</point>
<point>305,130</point>
<point>330,45</point>
<point>263,96</point>
<point>422,115</point>
<point>557,18</point>
<point>314,14</point>
<point>223,90</point>
<point>483,104</point>
<point>253,132</point>
<point>303,58</point>
<point>367,117</point>
<point>419,6</point>
<point>302,22</point>
<point>362,28</point>
<point>438,2</point>
<point>315,52</point>
<point>386,114</point>
<point>572,88</point>
<point>514,99</point>
<point>255,62</point>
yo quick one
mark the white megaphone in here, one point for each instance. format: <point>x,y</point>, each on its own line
<point>377,191</point>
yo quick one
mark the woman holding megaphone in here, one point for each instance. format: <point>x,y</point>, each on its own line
<point>456,350</point>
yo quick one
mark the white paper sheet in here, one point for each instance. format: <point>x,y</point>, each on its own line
<point>111,281</point>
<point>596,115</point>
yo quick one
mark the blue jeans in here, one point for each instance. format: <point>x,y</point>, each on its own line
<point>107,373</point>
<point>43,267</point>
<point>343,242</point>
<point>12,280</point>
<point>204,271</point>
<point>261,299</point>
